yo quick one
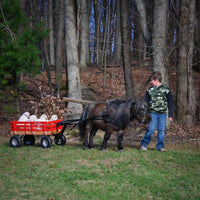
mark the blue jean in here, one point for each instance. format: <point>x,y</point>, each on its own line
<point>158,121</point>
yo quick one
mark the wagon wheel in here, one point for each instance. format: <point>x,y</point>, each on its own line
<point>60,140</point>
<point>46,142</point>
<point>29,140</point>
<point>15,141</point>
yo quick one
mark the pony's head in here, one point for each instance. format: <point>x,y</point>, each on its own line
<point>140,111</point>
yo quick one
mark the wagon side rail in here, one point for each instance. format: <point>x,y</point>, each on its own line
<point>35,127</point>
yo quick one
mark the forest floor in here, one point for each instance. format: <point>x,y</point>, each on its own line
<point>36,99</point>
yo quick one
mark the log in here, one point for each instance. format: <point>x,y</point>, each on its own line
<point>81,101</point>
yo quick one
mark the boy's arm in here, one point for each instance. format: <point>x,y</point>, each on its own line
<point>170,104</point>
<point>147,98</point>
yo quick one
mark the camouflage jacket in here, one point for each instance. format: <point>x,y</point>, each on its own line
<point>159,99</point>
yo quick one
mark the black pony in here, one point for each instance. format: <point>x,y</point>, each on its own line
<point>115,117</point>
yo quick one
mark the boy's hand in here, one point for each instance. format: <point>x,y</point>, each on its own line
<point>170,119</point>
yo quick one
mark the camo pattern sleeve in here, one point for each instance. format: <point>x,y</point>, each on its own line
<point>159,99</point>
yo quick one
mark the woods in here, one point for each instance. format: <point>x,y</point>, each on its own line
<point>68,36</point>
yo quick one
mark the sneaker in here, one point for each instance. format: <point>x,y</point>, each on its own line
<point>143,148</point>
<point>162,150</point>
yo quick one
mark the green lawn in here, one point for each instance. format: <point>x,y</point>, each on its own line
<point>68,172</point>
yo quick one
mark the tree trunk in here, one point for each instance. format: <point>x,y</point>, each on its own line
<point>46,65</point>
<point>97,31</point>
<point>197,52</point>
<point>51,35</point>
<point>186,98</point>
<point>105,46</point>
<point>142,48</point>
<point>74,88</point>
<point>173,31</point>
<point>160,60</point>
<point>128,77</point>
<point>117,51</point>
<point>84,34</point>
<point>59,47</point>
<point>105,33</point>
<point>143,21</point>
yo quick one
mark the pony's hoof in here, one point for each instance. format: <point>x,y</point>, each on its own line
<point>121,150</point>
<point>85,148</point>
<point>102,149</point>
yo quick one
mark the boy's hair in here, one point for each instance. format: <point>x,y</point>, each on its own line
<point>156,76</point>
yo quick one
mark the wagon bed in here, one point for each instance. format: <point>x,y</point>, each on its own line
<point>28,130</point>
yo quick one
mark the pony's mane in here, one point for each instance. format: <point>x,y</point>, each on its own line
<point>120,116</point>
<point>140,103</point>
<point>115,103</point>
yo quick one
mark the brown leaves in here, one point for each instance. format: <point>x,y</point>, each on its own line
<point>50,105</point>
<point>179,133</point>
<point>93,79</point>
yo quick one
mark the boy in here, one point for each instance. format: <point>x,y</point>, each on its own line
<point>159,98</point>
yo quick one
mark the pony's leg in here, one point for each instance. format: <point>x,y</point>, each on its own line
<point>119,139</point>
<point>105,140</point>
<point>85,141</point>
<point>92,134</point>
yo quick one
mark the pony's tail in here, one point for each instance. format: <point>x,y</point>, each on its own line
<point>83,123</point>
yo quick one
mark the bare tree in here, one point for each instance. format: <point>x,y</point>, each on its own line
<point>117,50</point>
<point>186,98</point>
<point>106,31</point>
<point>51,35</point>
<point>143,20</point>
<point>173,31</point>
<point>74,88</point>
<point>105,44</point>
<point>128,77</point>
<point>84,33</point>
<point>97,17</point>
<point>59,47</point>
<point>160,59</point>
<point>197,51</point>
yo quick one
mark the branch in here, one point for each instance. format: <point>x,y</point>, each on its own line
<point>77,100</point>
<point>12,34</point>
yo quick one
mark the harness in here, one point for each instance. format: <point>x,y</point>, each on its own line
<point>114,121</point>
<point>76,122</point>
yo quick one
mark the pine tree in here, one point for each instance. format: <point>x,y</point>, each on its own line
<point>18,43</point>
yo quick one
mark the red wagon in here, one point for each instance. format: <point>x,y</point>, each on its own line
<point>28,130</point>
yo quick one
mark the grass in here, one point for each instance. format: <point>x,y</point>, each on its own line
<point>68,172</point>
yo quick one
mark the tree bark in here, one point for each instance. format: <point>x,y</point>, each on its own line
<point>74,88</point>
<point>160,59</point>
<point>105,33</point>
<point>105,45</point>
<point>186,98</point>
<point>143,22</point>
<point>46,66</point>
<point>51,35</point>
<point>197,51</point>
<point>59,47</point>
<point>117,50</point>
<point>128,77</point>
<point>84,34</point>
<point>97,32</point>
